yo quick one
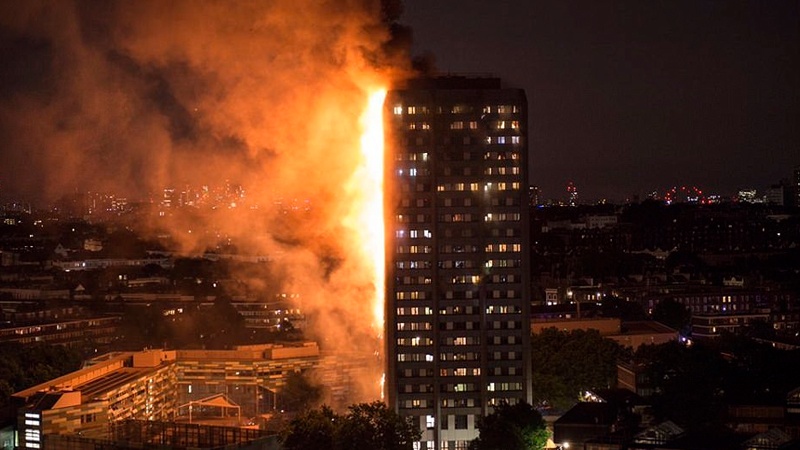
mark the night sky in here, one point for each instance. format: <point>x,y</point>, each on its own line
<point>627,97</point>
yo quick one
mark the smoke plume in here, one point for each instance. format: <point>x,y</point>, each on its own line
<point>134,97</point>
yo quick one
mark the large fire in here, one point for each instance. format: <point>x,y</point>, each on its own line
<point>261,121</point>
<point>372,185</point>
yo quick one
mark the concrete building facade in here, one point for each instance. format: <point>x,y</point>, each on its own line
<point>458,301</point>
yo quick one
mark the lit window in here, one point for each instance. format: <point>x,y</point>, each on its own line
<point>397,110</point>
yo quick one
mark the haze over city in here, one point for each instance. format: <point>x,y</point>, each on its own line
<point>386,224</point>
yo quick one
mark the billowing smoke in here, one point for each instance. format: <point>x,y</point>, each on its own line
<point>132,97</point>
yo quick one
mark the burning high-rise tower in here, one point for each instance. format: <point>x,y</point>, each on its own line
<point>457,315</point>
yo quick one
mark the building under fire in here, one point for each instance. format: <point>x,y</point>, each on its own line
<point>457,331</point>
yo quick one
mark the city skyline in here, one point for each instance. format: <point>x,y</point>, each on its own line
<point>625,99</point>
<point>628,97</point>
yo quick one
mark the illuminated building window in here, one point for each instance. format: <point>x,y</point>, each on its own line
<point>411,110</point>
<point>397,110</point>
<point>473,125</point>
<point>457,125</point>
<point>430,421</point>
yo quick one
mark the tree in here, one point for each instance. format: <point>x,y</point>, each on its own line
<point>567,363</point>
<point>313,429</point>
<point>672,314</point>
<point>688,382</point>
<point>365,426</point>
<point>625,310</point>
<point>511,427</point>
<point>299,394</point>
<point>23,366</point>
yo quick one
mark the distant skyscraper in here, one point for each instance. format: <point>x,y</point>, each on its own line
<point>572,194</point>
<point>533,195</point>
<point>457,328</point>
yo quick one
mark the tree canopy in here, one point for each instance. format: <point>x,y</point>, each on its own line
<point>299,393</point>
<point>567,363</point>
<point>511,427</point>
<point>24,366</point>
<point>365,426</point>
<point>672,314</point>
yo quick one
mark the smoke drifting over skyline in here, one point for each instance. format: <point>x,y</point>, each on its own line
<point>138,96</point>
<point>132,97</point>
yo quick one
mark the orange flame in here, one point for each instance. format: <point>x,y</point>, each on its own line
<point>372,185</point>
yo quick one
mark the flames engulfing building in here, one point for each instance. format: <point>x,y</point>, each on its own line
<point>457,313</point>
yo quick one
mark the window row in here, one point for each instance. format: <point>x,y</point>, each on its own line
<point>400,281</point>
<point>460,402</point>
<point>476,187</point>
<point>414,171</point>
<point>460,372</point>
<point>421,388</point>
<point>414,357</point>
<point>465,279</point>
<point>451,326</point>
<point>414,311</point>
<point>413,218</point>
<point>501,155</point>
<point>428,372</point>
<point>502,139</point>
<point>414,249</point>
<point>493,155</point>
<point>416,341</point>
<point>502,278</point>
<point>503,263</point>
<point>502,171</point>
<point>413,264</point>
<point>460,325</point>
<point>503,248</point>
<point>503,356</point>
<point>415,234</point>
<point>458,310</point>
<point>420,156</point>
<point>411,295</point>
<point>416,187</point>
<point>428,357</point>
<point>503,309</point>
<point>492,387</point>
<point>501,217</point>
<point>399,110</point>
